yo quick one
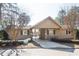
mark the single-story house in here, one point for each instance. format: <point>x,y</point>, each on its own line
<point>49,28</point>
<point>46,29</point>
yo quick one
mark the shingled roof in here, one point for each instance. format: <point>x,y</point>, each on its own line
<point>47,23</point>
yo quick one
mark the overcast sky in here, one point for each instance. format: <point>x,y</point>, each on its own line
<point>39,11</point>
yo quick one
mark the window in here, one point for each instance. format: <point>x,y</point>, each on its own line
<point>21,32</point>
<point>54,32</point>
<point>24,32</point>
<point>67,32</point>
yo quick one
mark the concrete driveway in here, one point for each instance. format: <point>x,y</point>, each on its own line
<point>50,44</point>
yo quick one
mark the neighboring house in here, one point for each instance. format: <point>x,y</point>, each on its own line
<point>49,28</point>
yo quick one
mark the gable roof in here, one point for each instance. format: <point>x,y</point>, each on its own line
<point>47,23</point>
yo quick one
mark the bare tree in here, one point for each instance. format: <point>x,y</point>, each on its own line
<point>61,15</point>
<point>23,19</point>
<point>8,12</point>
<point>0,10</point>
<point>71,19</point>
<point>10,15</point>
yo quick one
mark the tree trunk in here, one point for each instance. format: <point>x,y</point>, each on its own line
<point>74,33</point>
<point>0,11</point>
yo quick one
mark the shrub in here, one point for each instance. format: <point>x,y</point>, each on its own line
<point>4,35</point>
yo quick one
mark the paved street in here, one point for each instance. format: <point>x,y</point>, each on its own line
<point>38,52</point>
<point>49,52</point>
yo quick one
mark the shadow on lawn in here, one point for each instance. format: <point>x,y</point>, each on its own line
<point>13,49</point>
<point>9,51</point>
<point>64,49</point>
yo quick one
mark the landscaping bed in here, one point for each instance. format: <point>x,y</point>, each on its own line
<point>14,43</point>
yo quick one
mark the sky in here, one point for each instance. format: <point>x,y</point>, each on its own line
<point>39,11</point>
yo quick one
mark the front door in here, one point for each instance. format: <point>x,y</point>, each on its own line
<point>42,33</point>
